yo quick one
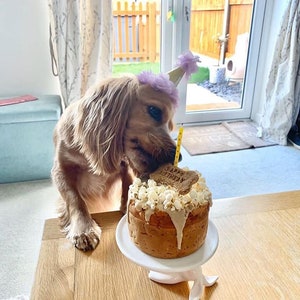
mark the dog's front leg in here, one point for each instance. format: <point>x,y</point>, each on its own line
<point>75,219</point>
<point>83,231</point>
<point>126,179</point>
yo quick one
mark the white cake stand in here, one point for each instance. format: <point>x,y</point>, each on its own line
<point>171,271</point>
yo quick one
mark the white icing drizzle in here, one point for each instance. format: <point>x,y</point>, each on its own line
<point>148,213</point>
<point>149,196</point>
<point>178,218</point>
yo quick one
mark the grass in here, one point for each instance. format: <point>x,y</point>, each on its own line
<point>138,67</point>
<point>135,68</point>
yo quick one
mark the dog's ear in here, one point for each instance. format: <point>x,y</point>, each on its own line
<point>102,119</point>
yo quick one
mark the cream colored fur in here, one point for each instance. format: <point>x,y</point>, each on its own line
<point>105,137</point>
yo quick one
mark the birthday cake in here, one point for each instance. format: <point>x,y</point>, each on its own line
<point>168,213</point>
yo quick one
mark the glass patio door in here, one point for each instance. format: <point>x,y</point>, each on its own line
<point>136,36</point>
<point>226,36</point>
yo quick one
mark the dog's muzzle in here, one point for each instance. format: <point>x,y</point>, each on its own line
<point>173,153</point>
<point>144,160</point>
<point>167,157</point>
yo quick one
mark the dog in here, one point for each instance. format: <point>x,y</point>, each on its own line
<point>118,130</point>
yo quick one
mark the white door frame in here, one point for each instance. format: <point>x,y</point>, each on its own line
<point>175,40</point>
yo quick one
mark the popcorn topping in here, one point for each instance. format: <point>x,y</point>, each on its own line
<point>153,195</point>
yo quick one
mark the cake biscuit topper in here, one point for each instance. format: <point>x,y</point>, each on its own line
<point>171,175</point>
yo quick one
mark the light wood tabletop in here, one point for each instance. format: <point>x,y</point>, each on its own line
<point>258,257</point>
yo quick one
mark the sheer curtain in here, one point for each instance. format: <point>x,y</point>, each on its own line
<point>80,43</point>
<point>283,86</point>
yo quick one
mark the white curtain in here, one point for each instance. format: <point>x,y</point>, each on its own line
<point>283,86</point>
<point>80,43</point>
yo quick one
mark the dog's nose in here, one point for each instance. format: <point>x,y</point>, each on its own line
<point>173,153</point>
<point>180,157</point>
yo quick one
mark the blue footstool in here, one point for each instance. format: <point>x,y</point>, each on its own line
<point>26,138</point>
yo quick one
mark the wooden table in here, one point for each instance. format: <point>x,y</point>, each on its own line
<point>258,257</point>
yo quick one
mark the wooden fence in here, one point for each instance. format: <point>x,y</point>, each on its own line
<point>136,32</point>
<point>137,28</point>
<point>207,24</point>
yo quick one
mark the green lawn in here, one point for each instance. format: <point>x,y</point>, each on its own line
<point>138,67</point>
<point>135,68</point>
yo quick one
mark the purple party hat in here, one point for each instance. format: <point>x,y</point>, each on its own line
<point>167,83</point>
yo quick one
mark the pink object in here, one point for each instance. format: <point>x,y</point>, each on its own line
<point>160,83</point>
<point>188,62</point>
<point>16,100</point>
<point>236,65</point>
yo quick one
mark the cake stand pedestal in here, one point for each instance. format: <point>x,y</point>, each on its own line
<point>171,271</point>
<point>195,275</point>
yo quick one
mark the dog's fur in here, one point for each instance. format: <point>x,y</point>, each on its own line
<point>101,138</point>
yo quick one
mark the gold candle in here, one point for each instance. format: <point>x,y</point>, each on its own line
<point>179,138</point>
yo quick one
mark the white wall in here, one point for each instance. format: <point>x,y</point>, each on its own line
<point>25,64</point>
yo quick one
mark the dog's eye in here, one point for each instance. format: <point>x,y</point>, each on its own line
<point>155,113</point>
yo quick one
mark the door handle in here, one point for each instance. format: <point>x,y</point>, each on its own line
<point>187,13</point>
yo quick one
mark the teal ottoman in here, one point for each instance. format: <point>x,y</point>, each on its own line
<point>26,138</point>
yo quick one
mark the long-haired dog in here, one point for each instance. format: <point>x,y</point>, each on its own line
<point>119,128</point>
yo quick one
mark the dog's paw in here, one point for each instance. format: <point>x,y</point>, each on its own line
<point>86,241</point>
<point>84,237</point>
